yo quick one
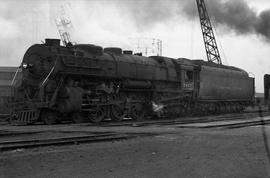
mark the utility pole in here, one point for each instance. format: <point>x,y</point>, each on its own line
<point>148,46</point>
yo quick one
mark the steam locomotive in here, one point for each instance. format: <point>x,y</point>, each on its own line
<point>85,82</point>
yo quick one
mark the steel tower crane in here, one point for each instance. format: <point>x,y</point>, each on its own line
<point>64,26</point>
<point>210,43</point>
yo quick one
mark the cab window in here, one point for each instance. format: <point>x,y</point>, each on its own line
<point>188,76</point>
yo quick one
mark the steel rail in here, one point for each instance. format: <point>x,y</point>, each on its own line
<point>186,120</point>
<point>19,144</point>
<point>230,125</point>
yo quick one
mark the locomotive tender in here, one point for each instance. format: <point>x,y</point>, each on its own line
<point>86,82</point>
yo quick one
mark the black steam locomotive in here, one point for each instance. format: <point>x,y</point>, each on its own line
<point>86,82</point>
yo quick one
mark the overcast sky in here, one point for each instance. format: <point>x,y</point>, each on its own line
<point>242,27</point>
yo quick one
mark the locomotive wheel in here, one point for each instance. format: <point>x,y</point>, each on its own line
<point>212,108</point>
<point>117,112</point>
<point>222,108</point>
<point>197,110</point>
<point>77,117</point>
<point>233,108</point>
<point>180,111</point>
<point>217,109</point>
<point>228,108</point>
<point>241,108</point>
<point>97,114</point>
<point>202,110</point>
<point>137,112</point>
<point>49,117</point>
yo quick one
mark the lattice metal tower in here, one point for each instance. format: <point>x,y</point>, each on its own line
<point>210,43</point>
<point>64,26</point>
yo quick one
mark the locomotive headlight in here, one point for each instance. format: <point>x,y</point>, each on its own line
<point>24,65</point>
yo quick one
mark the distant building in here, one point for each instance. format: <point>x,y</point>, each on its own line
<point>259,97</point>
<point>7,75</point>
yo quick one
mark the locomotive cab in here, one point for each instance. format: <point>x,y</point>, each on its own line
<point>189,75</point>
<point>188,79</point>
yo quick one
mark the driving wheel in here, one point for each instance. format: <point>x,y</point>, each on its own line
<point>117,112</point>
<point>137,112</point>
<point>97,114</point>
<point>49,117</point>
<point>77,117</point>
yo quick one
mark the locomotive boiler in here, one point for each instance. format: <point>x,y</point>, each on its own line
<point>85,82</point>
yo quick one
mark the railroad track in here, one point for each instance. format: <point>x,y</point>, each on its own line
<point>186,120</point>
<point>230,125</point>
<point>164,121</point>
<point>19,144</point>
<point>241,120</point>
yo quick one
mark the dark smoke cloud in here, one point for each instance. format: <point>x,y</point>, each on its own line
<point>236,15</point>
<point>263,25</point>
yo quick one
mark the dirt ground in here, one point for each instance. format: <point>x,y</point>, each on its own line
<point>175,152</point>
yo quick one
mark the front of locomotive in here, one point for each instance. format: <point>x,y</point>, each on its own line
<point>38,64</point>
